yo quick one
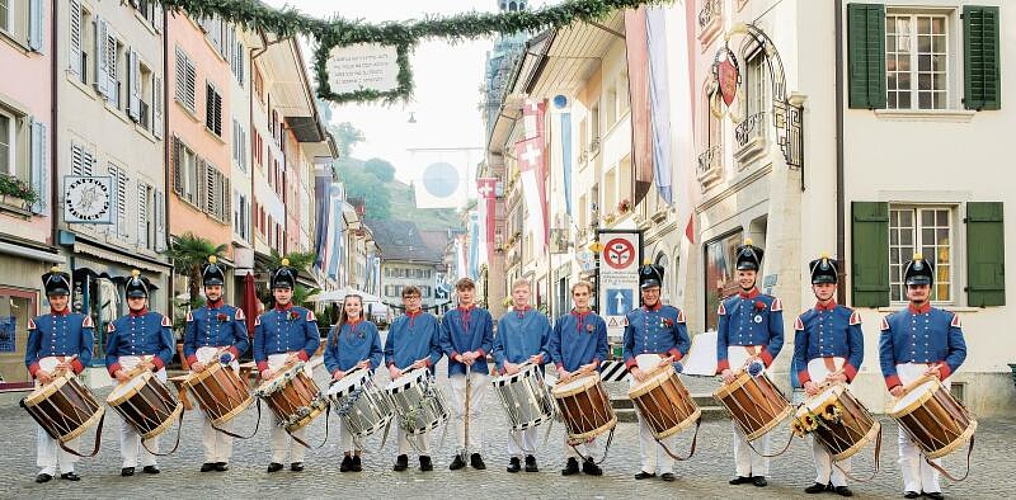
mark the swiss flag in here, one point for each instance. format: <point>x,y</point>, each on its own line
<point>486,187</point>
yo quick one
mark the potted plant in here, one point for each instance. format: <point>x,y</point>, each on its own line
<point>12,188</point>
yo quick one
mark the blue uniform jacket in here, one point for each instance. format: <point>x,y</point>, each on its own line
<point>215,325</point>
<point>412,337</point>
<point>141,334</point>
<point>521,334</point>
<point>655,330</point>
<point>467,330</point>
<point>926,335</point>
<point>831,331</point>
<point>60,334</point>
<point>357,342</point>
<point>750,319</point>
<point>285,329</point>
<point>578,339</point>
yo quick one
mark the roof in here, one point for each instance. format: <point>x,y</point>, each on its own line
<point>401,240</point>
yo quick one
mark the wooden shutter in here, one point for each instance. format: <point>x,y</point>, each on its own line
<point>113,90</point>
<point>160,221</point>
<point>982,80</point>
<point>75,37</point>
<point>177,165</point>
<point>101,59</point>
<point>985,254</point>
<point>134,82</point>
<point>40,167</point>
<point>157,103</point>
<point>866,55</point>
<point>122,199</point>
<point>37,25</point>
<point>870,254</point>
<point>142,214</point>
<point>77,160</point>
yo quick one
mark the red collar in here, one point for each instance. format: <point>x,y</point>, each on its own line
<point>575,312</point>
<point>414,313</point>
<point>143,311</point>
<point>923,309</point>
<point>655,307</point>
<point>286,307</point>
<point>466,308</point>
<point>214,305</point>
<point>828,307</point>
<point>749,295</point>
<point>523,310</point>
<point>355,322</point>
<point>65,312</point>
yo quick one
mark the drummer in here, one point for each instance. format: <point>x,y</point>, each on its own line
<point>145,338</point>
<point>215,333</point>
<point>578,344</point>
<point>656,335</point>
<point>413,342</point>
<point>352,343</point>
<point>285,335</point>
<point>59,341</point>
<point>917,341</point>
<point>467,334</point>
<point>828,348</point>
<point>749,336</point>
<point>522,337</point>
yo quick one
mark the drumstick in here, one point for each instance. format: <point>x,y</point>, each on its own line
<point>60,371</point>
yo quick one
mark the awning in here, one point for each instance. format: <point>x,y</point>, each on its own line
<point>31,253</point>
<point>127,260</point>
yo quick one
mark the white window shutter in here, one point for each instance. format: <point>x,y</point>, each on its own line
<point>40,167</point>
<point>77,160</point>
<point>88,165</point>
<point>158,10</point>
<point>36,24</point>
<point>101,61</point>
<point>113,92</point>
<point>75,36</point>
<point>160,221</point>
<point>115,199</point>
<point>134,81</point>
<point>122,182</point>
<point>142,214</point>
<point>157,100</point>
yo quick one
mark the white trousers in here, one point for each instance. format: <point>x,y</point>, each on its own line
<point>748,463</point>
<point>825,471</point>
<point>917,474</point>
<point>590,449</point>
<point>49,455</point>
<point>218,446</point>
<point>521,443</point>
<point>281,443</point>
<point>653,457</point>
<point>421,442</point>
<point>346,443</point>
<point>130,440</point>
<point>479,384</point>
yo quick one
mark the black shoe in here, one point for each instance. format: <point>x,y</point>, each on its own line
<point>571,468</point>
<point>347,462</point>
<point>296,467</point>
<point>514,465</point>
<point>759,481</point>
<point>740,480</point>
<point>843,491</point>
<point>207,467</point>
<point>274,467</point>
<point>127,471</point>
<point>43,478</point>
<point>911,494</point>
<point>457,464</point>
<point>937,495</point>
<point>357,465</point>
<point>151,469</point>
<point>591,468</point>
<point>221,466</point>
<point>476,462</point>
<point>644,475</point>
<point>401,463</point>
<point>816,488</point>
<point>426,464</point>
<point>668,477</point>
<point>531,464</point>
<point>70,476</point>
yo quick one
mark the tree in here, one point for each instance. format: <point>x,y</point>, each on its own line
<point>359,183</point>
<point>382,169</point>
<point>346,137</point>
<point>188,252</point>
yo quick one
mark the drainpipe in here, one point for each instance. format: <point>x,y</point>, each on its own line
<point>840,196</point>
<point>166,144</point>
<point>54,181</point>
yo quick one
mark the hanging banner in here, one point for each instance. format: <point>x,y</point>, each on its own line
<point>618,278</point>
<point>363,66</point>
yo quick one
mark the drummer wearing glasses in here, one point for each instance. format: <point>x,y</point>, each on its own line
<point>656,336</point>
<point>58,341</point>
<point>828,348</point>
<point>412,343</point>
<point>522,336</point>
<point>918,341</point>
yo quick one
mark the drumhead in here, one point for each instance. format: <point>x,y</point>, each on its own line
<point>353,379</point>
<point>129,387</point>
<point>831,393</point>
<point>527,371</point>
<point>914,395</point>
<point>576,384</point>
<point>407,380</point>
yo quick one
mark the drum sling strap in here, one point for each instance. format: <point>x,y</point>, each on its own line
<point>63,446</point>
<point>179,427</point>
<point>878,457</point>
<point>941,470</point>
<point>790,438</point>
<point>606,448</point>
<point>257,425</point>
<point>328,414</point>
<point>694,442</point>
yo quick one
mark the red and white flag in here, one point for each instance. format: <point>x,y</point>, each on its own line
<point>486,189</point>
<point>532,164</point>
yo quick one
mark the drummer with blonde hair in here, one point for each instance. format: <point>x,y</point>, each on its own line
<point>578,344</point>
<point>656,336</point>
<point>915,342</point>
<point>828,349</point>
<point>59,341</point>
<point>523,334</point>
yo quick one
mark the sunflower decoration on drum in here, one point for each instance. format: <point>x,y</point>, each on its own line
<point>833,412</point>
<point>804,424</point>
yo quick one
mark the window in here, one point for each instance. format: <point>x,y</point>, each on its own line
<point>186,81</point>
<point>118,91</point>
<point>5,15</point>
<point>217,194</point>
<point>755,82</point>
<point>239,146</point>
<point>241,216</point>
<point>151,11</point>
<point>917,61</point>
<point>237,60</point>
<point>924,229</point>
<point>17,307</point>
<point>82,38</point>
<point>213,109</point>
<point>7,148</point>
<point>185,173</point>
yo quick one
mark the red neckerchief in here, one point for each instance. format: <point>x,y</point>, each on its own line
<point>65,311</point>
<point>465,313</point>
<point>214,305</point>
<point>828,307</point>
<point>655,307</point>
<point>141,312</point>
<point>749,295</point>
<point>923,309</point>
<point>413,315</point>
<point>521,312</point>
<point>353,325</point>
<point>285,307</point>
<point>580,318</point>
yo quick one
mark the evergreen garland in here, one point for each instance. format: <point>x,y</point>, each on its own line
<point>340,32</point>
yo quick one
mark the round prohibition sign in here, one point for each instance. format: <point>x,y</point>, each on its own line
<point>619,253</point>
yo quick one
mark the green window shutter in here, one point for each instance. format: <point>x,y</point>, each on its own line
<point>985,254</point>
<point>866,55</point>
<point>870,254</point>
<point>982,80</point>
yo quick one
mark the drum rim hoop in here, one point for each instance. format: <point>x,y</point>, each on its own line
<point>681,426</point>
<point>44,392</point>
<point>195,378</point>
<point>740,380</point>
<point>786,412</point>
<point>147,375</point>
<point>234,412</point>
<point>860,444</point>
<point>838,389</point>
<point>595,432</point>
<point>657,378</point>
<point>588,381</point>
<point>959,441</point>
<point>915,404</point>
<point>166,424</point>
<point>84,426</point>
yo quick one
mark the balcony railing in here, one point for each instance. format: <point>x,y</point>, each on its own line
<point>709,163</point>
<point>711,11</point>
<point>751,128</point>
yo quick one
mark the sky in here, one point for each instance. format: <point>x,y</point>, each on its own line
<point>447,78</point>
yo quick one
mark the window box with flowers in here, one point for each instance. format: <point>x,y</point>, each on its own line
<point>16,193</point>
<point>624,206</point>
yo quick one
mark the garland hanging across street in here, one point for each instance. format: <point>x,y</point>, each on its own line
<point>404,36</point>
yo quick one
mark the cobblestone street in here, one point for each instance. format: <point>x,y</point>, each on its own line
<point>704,476</point>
